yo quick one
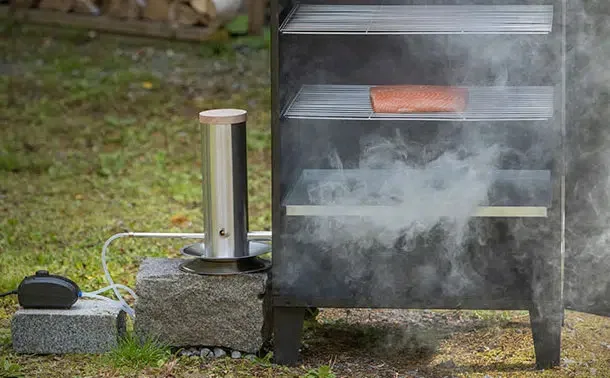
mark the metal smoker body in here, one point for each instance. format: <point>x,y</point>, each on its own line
<point>325,55</point>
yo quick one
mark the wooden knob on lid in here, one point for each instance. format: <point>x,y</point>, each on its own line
<point>223,116</point>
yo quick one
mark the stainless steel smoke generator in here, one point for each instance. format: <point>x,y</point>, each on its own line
<point>517,61</point>
<point>227,247</point>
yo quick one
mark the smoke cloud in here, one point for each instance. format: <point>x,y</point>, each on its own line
<point>434,175</point>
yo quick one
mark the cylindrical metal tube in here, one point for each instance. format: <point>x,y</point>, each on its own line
<point>225,188</point>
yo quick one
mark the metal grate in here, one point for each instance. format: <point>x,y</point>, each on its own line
<point>419,19</point>
<point>352,102</point>
<point>390,211</point>
<point>512,193</point>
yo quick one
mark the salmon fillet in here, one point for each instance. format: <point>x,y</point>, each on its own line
<point>417,99</point>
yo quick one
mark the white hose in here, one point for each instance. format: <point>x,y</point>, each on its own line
<point>107,273</point>
<point>127,309</point>
<point>95,296</point>
<point>111,284</point>
<point>256,235</point>
<point>119,286</point>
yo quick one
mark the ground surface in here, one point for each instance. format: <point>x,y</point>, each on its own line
<point>100,136</point>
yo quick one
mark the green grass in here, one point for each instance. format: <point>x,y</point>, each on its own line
<point>139,354</point>
<point>494,316</point>
<point>323,371</point>
<point>101,136</point>
<point>9,369</point>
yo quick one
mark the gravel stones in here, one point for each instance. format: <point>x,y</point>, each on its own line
<point>218,353</point>
<point>215,352</point>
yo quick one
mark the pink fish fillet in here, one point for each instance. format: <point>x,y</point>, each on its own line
<point>417,99</point>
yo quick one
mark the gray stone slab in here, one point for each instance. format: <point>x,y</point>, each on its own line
<point>184,309</point>
<point>90,326</point>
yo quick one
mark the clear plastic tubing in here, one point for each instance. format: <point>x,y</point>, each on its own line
<point>255,235</point>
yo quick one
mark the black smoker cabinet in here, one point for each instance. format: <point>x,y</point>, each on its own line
<point>431,210</point>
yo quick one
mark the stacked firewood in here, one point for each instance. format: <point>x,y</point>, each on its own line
<point>175,12</point>
<point>180,12</point>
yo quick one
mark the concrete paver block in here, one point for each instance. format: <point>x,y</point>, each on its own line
<point>185,309</point>
<point>90,326</point>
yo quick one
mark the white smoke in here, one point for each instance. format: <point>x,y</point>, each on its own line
<point>421,203</point>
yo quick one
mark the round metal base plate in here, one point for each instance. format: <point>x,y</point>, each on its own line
<point>226,267</point>
<point>198,250</point>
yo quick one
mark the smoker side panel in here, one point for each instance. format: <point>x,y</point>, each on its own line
<point>279,11</point>
<point>587,262</point>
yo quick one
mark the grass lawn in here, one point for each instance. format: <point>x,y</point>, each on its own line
<point>99,135</point>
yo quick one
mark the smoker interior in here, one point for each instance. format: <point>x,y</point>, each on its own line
<point>321,93</point>
<point>321,264</point>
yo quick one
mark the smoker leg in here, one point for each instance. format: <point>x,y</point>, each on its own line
<point>287,329</point>
<point>546,331</point>
<point>546,311</point>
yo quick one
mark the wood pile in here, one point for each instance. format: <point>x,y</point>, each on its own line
<point>174,12</point>
<point>160,14</point>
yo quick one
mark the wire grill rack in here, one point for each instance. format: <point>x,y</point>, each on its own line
<point>352,102</point>
<point>419,19</point>
<point>393,211</point>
